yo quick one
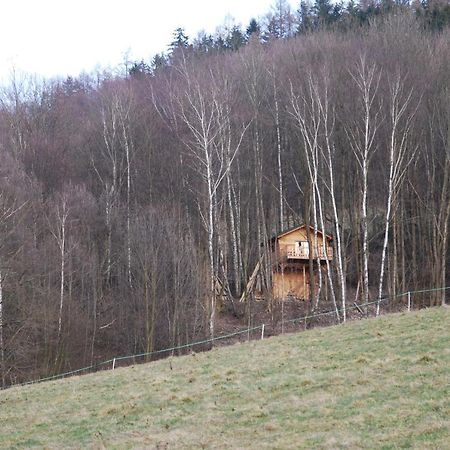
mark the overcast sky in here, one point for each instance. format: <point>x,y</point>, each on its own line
<point>60,37</point>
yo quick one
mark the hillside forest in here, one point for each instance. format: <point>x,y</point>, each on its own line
<point>129,198</point>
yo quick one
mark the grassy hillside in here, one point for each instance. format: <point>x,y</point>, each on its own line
<point>379,383</point>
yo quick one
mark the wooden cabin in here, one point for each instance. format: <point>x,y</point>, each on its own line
<point>291,252</point>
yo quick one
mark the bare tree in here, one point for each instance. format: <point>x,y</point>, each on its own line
<point>328,149</point>
<point>276,103</point>
<point>308,112</point>
<point>58,228</point>
<point>8,209</point>
<point>401,154</point>
<point>202,104</point>
<point>362,135</point>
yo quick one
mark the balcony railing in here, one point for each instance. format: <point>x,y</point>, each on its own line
<point>303,252</point>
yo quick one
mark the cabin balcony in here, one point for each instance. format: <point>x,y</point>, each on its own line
<point>301,253</point>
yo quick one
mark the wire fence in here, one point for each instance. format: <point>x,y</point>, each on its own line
<point>111,363</point>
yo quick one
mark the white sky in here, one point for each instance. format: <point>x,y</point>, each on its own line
<point>60,37</point>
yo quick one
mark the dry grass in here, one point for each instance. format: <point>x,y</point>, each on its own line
<point>381,383</point>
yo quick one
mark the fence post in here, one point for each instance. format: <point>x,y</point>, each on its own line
<point>409,301</point>
<point>114,364</point>
<point>262,332</point>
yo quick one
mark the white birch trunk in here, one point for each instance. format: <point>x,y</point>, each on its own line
<point>124,119</point>
<point>324,249</point>
<point>367,80</point>
<point>339,256</point>
<point>329,146</point>
<point>233,234</point>
<point>110,186</point>
<point>316,241</point>
<point>310,131</point>
<point>365,230</point>
<point>62,247</point>
<point>386,238</point>
<point>203,106</point>
<point>109,237</point>
<point>127,154</point>
<point>280,171</point>
<point>210,232</point>
<point>398,162</point>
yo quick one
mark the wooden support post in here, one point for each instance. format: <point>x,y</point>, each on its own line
<point>251,282</point>
<point>114,364</point>
<point>262,332</point>
<point>409,301</point>
<point>358,308</point>
<point>304,282</point>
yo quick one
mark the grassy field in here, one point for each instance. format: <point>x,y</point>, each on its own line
<point>378,383</point>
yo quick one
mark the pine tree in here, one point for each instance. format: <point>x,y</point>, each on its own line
<point>180,40</point>
<point>253,28</point>
<point>235,38</point>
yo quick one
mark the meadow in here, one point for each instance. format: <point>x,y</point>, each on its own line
<point>376,383</point>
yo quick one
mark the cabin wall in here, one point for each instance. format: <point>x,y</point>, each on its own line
<point>291,283</point>
<point>290,239</point>
<point>289,243</point>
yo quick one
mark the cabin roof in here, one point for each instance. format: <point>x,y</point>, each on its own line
<point>328,236</point>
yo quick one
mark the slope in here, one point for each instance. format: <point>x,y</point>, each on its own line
<point>378,383</point>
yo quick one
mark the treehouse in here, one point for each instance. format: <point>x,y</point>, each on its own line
<point>294,254</point>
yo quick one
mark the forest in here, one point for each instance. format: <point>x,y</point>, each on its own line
<point>129,198</point>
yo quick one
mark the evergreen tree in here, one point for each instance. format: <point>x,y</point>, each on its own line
<point>323,11</point>
<point>305,17</point>
<point>434,13</point>
<point>159,61</point>
<point>235,38</point>
<point>203,43</point>
<point>253,28</point>
<point>180,40</point>
<point>139,69</point>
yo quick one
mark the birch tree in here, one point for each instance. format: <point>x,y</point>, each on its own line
<point>308,112</point>
<point>58,228</point>
<point>202,104</point>
<point>276,104</point>
<point>362,135</point>
<point>117,114</point>
<point>328,150</point>
<point>401,154</point>
<point>110,176</point>
<point>124,106</point>
<point>256,86</point>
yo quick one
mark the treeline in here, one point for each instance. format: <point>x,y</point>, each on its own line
<point>133,206</point>
<point>284,22</point>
